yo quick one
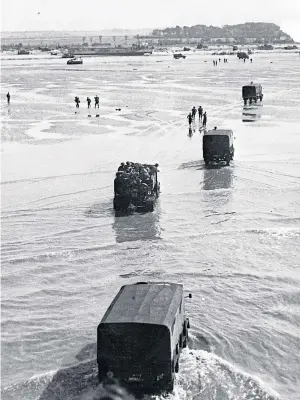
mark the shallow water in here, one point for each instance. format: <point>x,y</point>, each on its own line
<point>230,235</point>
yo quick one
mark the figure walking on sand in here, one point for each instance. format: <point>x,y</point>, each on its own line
<point>190,118</point>
<point>88,102</point>
<point>200,112</point>
<point>204,119</point>
<point>77,101</point>
<point>194,112</point>
<point>96,101</point>
<point>8,98</point>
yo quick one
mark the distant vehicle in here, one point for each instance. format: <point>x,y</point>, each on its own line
<point>128,201</point>
<point>43,48</point>
<point>178,55</point>
<point>294,47</point>
<point>140,337</point>
<point>242,55</point>
<point>252,92</point>
<point>218,146</point>
<point>74,61</point>
<point>186,49</point>
<point>67,55</point>
<point>23,52</point>
<point>54,52</point>
<point>234,48</point>
<point>265,47</point>
<point>202,46</point>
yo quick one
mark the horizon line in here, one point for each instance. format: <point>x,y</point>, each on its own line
<point>136,29</point>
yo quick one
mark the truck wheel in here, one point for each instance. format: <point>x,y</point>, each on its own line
<point>150,207</point>
<point>228,162</point>
<point>245,102</point>
<point>170,385</point>
<point>180,340</point>
<point>255,100</point>
<point>185,340</point>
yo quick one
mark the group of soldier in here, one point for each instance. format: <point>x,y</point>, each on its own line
<point>202,116</point>
<point>88,100</point>
<point>215,62</point>
<point>134,179</point>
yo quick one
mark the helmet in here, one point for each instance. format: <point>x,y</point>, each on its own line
<point>122,163</point>
<point>127,163</point>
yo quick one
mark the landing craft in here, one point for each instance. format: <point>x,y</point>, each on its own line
<point>140,337</point>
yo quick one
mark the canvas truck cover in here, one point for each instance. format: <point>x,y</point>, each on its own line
<point>147,303</point>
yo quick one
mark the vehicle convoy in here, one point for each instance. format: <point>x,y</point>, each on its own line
<point>136,187</point>
<point>218,146</point>
<point>140,337</point>
<point>252,92</point>
<point>108,51</point>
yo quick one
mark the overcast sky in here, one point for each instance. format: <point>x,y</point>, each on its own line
<point>107,14</point>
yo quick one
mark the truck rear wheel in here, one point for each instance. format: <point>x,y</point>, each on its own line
<point>170,385</point>
<point>184,345</point>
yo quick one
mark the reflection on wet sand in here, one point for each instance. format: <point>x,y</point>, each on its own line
<point>81,381</point>
<point>221,178</point>
<point>251,113</point>
<point>135,227</point>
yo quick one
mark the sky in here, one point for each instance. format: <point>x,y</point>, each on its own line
<point>38,15</point>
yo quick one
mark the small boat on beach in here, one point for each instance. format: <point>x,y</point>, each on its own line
<point>75,61</point>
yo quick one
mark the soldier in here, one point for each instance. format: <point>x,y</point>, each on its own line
<point>121,167</point>
<point>194,112</point>
<point>118,184</point>
<point>77,101</point>
<point>204,119</point>
<point>88,102</point>
<point>200,112</point>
